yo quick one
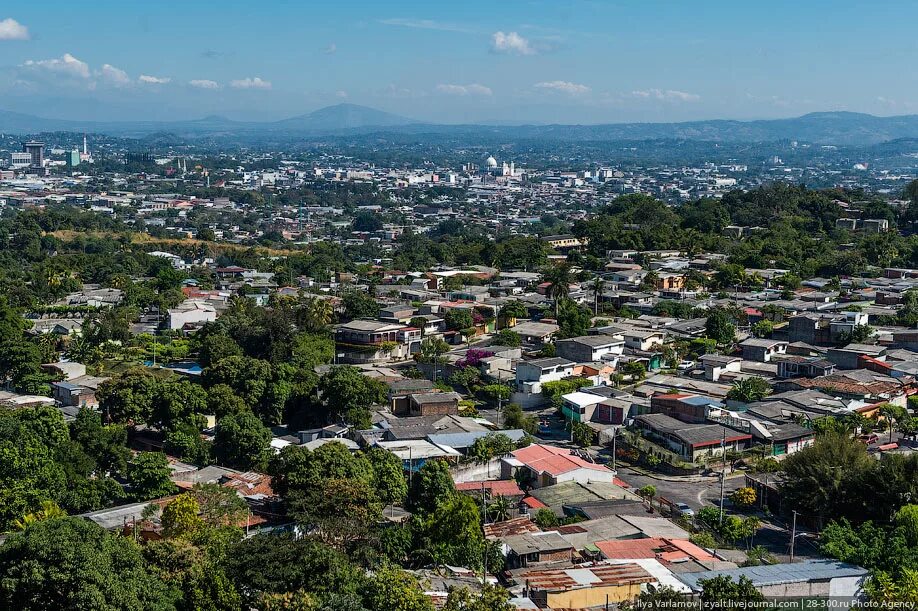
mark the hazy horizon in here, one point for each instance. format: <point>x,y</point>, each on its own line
<point>584,62</point>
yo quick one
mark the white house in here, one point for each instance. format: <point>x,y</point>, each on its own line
<point>191,311</point>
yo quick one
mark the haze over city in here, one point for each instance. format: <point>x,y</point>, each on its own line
<point>585,61</point>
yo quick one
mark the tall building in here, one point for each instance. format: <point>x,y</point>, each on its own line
<point>37,151</point>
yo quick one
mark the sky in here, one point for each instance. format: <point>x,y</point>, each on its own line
<point>526,61</point>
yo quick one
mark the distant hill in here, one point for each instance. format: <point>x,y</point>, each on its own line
<point>840,128</point>
<point>341,117</point>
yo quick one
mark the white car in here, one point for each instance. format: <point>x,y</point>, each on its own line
<point>685,510</point>
<point>686,365</point>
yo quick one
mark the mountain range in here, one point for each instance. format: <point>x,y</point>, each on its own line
<point>838,128</point>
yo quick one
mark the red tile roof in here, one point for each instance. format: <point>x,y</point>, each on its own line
<point>507,487</point>
<point>552,460</point>
<point>664,550</point>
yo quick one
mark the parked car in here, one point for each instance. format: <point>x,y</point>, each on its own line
<point>686,365</point>
<point>685,510</point>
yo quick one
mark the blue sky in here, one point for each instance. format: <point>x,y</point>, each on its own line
<point>572,61</point>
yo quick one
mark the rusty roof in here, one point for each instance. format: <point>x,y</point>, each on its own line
<point>560,580</point>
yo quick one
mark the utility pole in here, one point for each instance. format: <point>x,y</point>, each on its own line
<point>793,536</point>
<point>484,552</point>
<point>500,397</point>
<point>614,435</point>
<point>723,474</point>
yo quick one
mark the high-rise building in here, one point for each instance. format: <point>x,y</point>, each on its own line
<point>37,150</point>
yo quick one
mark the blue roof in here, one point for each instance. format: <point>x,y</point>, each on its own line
<point>465,440</point>
<point>777,574</point>
<point>701,400</point>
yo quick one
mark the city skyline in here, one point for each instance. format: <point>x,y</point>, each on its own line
<point>585,62</point>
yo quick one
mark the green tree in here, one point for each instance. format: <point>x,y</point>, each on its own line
<point>490,598</point>
<point>458,319</point>
<point>719,326</point>
<point>180,516</point>
<point>749,390</point>
<point>545,518</point>
<point>507,337</point>
<point>762,328</point>
<point>430,486</point>
<point>347,395</point>
<point>516,418</point>
<point>490,446</point>
<point>395,590</point>
<point>358,304</point>
<point>128,398</point>
<point>388,476</point>
<point>721,592</point>
<point>71,563</point>
<point>559,280</point>
<point>276,564</point>
<point>148,476</point>
<point>215,347</point>
<point>341,511</point>
<point>298,468</point>
<point>582,434</point>
<point>574,320</point>
<point>824,479</point>
<point>242,441</point>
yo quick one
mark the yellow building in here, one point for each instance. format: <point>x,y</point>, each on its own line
<point>585,586</point>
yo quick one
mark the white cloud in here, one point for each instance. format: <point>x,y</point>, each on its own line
<point>154,80</point>
<point>330,49</point>
<point>66,64</point>
<point>511,42</point>
<point>250,83</point>
<point>564,87</point>
<point>114,75</point>
<point>204,84</point>
<point>670,95</point>
<point>472,89</point>
<point>10,29</point>
<point>424,24</point>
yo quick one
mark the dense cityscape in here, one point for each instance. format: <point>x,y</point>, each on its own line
<point>355,362</point>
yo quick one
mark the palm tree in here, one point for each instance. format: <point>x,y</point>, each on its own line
<point>49,510</point>
<point>559,283</point>
<point>317,314</point>
<point>598,286</point>
<point>499,509</point>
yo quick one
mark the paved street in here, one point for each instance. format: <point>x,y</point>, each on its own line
<point>695,492</point>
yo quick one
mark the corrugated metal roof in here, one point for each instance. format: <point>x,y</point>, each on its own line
<point>777,574</point>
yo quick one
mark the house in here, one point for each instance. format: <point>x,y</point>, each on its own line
<point>683,406</point>
<point>584,586</point>
<point>536,333</point>
<point>534,548</point>
<point>396,314</point>
<point>530,375</point>
<point>589,348</point>
<point>546,465</point>
<point>370,341</point>
<point>716,365</point>
<point>191,312</point>
<point>692,442</point>
<point>792,366</point>
<point>77,392</point>
<point>643,340</point>
<point>848,357</point>
<point>579,406</point>
<point>400,390</point>
<point>806,579</point>
<point>433,403</point>
<point>414,453</point>
<point>762,350</point>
